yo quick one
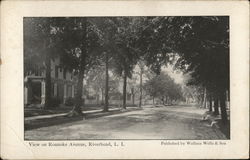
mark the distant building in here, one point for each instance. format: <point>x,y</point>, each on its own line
<point>63,84</point>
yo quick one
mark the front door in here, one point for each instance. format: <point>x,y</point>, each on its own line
<point>36,92</point>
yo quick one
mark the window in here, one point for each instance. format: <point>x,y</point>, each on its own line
<point>69,91</point>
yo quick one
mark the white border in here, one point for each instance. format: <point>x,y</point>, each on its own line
<point>12,12</point>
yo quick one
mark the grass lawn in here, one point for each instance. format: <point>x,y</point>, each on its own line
<point>35,110</point>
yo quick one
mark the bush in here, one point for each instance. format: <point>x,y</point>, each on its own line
<point>70,101</point>
<point>55,102</point>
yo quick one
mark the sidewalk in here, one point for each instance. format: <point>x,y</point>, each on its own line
<point>54,119</point>
<point>64,114</point>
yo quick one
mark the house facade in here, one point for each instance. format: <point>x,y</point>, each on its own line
<point>63,84</point>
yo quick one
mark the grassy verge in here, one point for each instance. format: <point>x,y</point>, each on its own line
<point>37,110</point>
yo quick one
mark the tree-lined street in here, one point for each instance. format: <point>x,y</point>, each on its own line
<point>87,63</point>
<point>163,122</point>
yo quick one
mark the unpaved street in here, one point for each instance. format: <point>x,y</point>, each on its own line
<point>165,122</point>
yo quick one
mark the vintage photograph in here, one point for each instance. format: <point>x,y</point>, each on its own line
<point>126,78</point>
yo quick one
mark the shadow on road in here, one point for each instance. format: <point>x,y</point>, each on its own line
<point>62,119</point>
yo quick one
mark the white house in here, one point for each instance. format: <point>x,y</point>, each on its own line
<point>63,84</point>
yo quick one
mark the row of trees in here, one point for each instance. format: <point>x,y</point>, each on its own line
<point>82,44</point>
<point>204,46</point>
<point>201,45</point>
<point>164,88</point>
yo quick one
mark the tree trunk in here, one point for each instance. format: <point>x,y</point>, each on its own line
<point>216,106</point>
<point>133,96</point>
<point>153,100</point>
<point>105,109</point>
<point>97,98</point>
<point>48,82</point>
<point>204,98</point>
<point>162,99</point>
<point>140,104</point>
<point>77,110</point>
<point>210,104</point>
<point>223,107</point>
<point>124,90</point>
<point>201,99</point>
<point>102,96</point>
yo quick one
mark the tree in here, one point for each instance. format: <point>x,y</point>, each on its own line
<point>108,29</point>
<point>141,66</point>
<point>144,73</point>
<point>97,80</point>
<point>202,45</point>
<point>164,88</point>
<point>81,46</point>
<point>126,56</point>
<point>153,43</point>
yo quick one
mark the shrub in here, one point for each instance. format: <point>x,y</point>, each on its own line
<point>55,101</point>
<point>70,101</point>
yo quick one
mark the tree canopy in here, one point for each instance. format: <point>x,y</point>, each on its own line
<point>163,86</point>
<point>199,43</point>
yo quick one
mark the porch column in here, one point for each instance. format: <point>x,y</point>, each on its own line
<point>73,91</point>
<point>64,93</point>
<point>43,92</point>
<point>55,89</point>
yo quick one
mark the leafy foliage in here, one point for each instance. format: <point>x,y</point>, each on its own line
<point>80,44</point>
<point>200,45</point>
<point>40,39</point>
<point>163,86</point>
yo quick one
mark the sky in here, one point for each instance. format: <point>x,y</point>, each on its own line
<point>176,75</point>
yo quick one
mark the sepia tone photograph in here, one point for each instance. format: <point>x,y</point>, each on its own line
<point>126,78</point>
